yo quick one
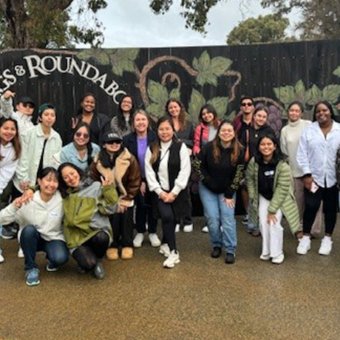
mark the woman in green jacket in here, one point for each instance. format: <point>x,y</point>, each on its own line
<point>87,205</point>
<point>271,196</point>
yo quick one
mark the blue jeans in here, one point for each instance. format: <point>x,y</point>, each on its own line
<point>218,217</point>
<point>31,242</point>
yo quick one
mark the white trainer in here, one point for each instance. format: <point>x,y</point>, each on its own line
<point>278,259</point>
<point>177,228</point>
<point>188,228</point>
<point>326,246</point>
<point>304,245</point>
<point>172,259</point>
<point>1,258</point>
<point>264,257</point>
<point>164,249</point>
<point>205,229</point>
<point>154,240</point>
<point>138,240</point>
<point>20,253</point>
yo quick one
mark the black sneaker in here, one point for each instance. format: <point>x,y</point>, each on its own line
<point>216,252</point>
<point>99,271</point>
<point>229,258</point>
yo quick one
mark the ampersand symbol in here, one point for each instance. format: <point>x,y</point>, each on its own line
<point>19,70</point>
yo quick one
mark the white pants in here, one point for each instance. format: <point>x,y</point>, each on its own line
<point>272,235</point>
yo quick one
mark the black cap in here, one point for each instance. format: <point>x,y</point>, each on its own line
<point>26,100</point>
<point>111,136</point>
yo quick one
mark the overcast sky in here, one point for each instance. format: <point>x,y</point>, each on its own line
<point>131,23</point>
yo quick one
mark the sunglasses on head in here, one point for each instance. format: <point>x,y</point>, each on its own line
<point>29,105</point>
<point>115,141</point>
<point>79,134</point>
<point>247,104</point>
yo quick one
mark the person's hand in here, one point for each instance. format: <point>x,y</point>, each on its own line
<point>163,196</point>
<point>121,209</point>
<point>190,151</point>
<point>8,94</point>
<point>105,181</point>
<point>307,182</point>
<point>27,195</point>
<point>24,185</point>
<point>170,197</point>
<point>17,202</point>
<point>229,202</point>
<point>74,122</point>
<point>143,188</point>
<point>271,219</point>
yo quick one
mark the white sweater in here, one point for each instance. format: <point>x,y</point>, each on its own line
<point>290,136</point>
<point>47,217</point>
<point>7,165</point>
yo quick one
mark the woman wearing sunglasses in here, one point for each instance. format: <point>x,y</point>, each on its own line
<point>115,163</point>
<point>80,151</point>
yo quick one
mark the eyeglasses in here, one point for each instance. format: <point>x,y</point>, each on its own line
<point>29,105</point>
<point>79,134</point>
<point>127,102</point>
<point>116,141</point>
<point>247,104</point>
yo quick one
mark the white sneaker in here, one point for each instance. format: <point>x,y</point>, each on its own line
<point>164,249</point>
<point>278,259</point>
<point>304,245</point>
<point>326,246</point>
<point>264,257</point>
<point>1,258</point>
<point>154,240</point>
<point>177,228</point>
<point>205,229</point>
<point>138,240</point>
<point>172,259</point>
<point>21,253</point>
<point>188,228</point>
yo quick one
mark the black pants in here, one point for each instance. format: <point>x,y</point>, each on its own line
<point>88,253</point>
<point>168,224</point>
<point>122,228</point>
<point>144,213</point>
<point>329,196</point>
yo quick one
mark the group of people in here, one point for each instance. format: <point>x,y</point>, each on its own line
<point>118,175</point>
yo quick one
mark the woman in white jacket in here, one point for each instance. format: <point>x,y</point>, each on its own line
<point>40,223</point>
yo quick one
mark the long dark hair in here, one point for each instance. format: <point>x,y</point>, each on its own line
<point>156,145</point>
<point>15,141</point>
<point>120,115</point>
<point>277,155</point>
<point>62,185</point>
<point>89,144</point>
<point>217,145</point>
<point>329,106</point>
<point>182,118</point>
<point>212,110</point>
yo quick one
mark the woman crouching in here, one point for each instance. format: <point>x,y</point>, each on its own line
<point>86,224</point>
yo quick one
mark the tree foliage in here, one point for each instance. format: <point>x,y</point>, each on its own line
<point>320,19</point>
<point>264,29</point>
<point>35,23</point>
<point>194,11</point>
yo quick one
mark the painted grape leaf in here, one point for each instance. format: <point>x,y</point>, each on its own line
<point>205,71</point>
<point>195,104</point>
<point>336,72</point>
<point>219,65</point>
<point>300,90</point>
<point>157,92</point>
<point>123,60</point>
<point>331,93</point>
<point>220,104</point>
<point>155,110</point>
<point>101,56</point>
<point>286,94</point>
<point>231,116</point>
<point>174,93</point>
<point>313,95</point>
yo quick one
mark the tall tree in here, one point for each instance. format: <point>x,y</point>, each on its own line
<point>264,29</point>
<point>320,19</point>
<point>35,23</point>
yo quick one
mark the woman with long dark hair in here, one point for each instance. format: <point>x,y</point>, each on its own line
<point>122,121</point>
<point>81,150</point>
<point>87,205</point>
<point>167,170</point>
<point>222,167</point>
<point>271,196</point>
